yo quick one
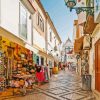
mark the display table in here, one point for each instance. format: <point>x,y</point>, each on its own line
<point>23,76</point>
<point>22,82</point>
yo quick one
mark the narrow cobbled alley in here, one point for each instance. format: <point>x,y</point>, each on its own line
<point>63,86</point>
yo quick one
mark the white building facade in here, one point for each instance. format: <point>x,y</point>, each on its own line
<point>16,22</point>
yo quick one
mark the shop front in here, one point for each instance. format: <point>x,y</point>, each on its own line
<point>94,58</point>
<point>16,66</point>
<point>85,54</point>
<point>78,46</point>
<point>85,62</point>
<point>43,57</point>
<point>44,64</point>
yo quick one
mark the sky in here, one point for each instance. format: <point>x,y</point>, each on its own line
<point>61,17</point>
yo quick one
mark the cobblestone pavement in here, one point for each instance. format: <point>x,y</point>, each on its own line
<point>63,86</point>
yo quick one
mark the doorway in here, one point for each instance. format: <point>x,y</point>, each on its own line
<point>97,65</point>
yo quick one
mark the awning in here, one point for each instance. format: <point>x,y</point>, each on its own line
<point>90,25</point>
<point>78,44</point>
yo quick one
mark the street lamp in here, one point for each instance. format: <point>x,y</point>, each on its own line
<point>72,3</point>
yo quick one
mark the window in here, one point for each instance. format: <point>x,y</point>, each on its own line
<point>50,35</point>
<point>42,61</point>
<point>40,22</point>
<point>55,42</point>
<point>23,22</point>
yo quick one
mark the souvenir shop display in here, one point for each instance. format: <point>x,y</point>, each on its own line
<point>17,72</point>
<point>23,83</point>
<point>2,72</point>
<point>23,76</point>
<point>16,67</point>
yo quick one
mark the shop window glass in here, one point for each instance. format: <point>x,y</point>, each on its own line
<point>23,22</point>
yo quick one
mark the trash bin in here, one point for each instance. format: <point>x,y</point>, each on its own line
<point>86,82</point>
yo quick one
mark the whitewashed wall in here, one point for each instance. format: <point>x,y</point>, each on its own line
<point>10,15</point>
<point>51,44</point>
<point>9,18</point>
<point>38,39</point>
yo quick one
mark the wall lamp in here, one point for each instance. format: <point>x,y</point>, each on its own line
<point>72,3</point>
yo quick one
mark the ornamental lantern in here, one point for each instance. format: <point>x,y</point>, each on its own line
<point>70,3</point>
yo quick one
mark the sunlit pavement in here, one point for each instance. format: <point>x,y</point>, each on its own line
<point>64,86</point>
